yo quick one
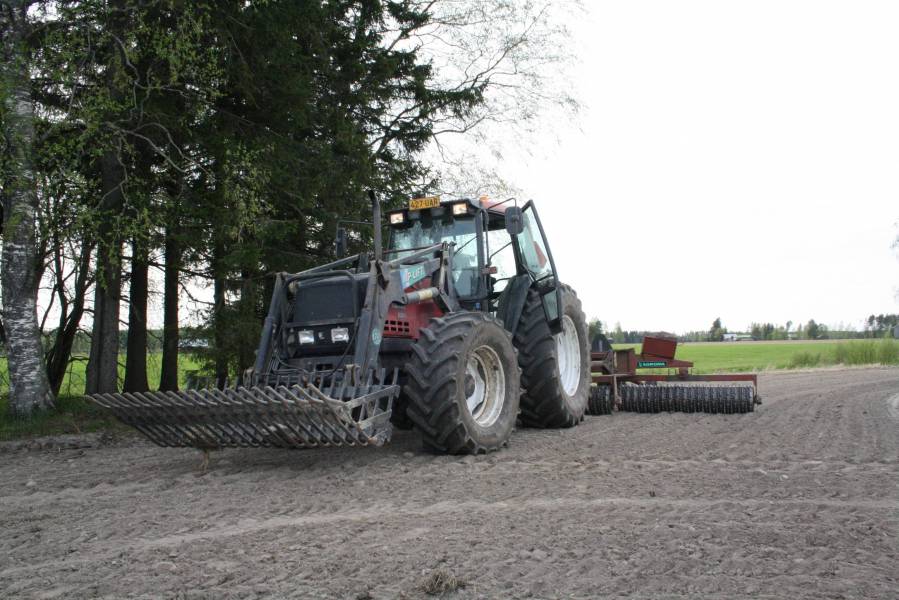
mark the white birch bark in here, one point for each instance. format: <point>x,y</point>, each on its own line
<point>29,388</point>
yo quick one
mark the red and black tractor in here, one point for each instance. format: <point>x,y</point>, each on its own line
<point>459,328</point>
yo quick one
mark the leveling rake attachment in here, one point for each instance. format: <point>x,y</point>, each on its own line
<point>279,416</point>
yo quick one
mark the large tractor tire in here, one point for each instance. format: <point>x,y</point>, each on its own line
<point>555,369</point>
<point>463,384</point>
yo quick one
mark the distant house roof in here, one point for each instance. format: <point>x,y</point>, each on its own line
<point>737,336</point>
<point>194,344</point>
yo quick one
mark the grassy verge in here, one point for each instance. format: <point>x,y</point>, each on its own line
<point>73,414</point>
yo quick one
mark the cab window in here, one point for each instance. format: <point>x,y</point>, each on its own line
<point>533,250</point>
<point>460,232</point>
<point>502,256</point>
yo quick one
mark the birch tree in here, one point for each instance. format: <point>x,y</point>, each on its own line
<point>29,387</point>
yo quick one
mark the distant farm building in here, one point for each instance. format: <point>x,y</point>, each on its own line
<point>737,337</point>
<point>192,344</point>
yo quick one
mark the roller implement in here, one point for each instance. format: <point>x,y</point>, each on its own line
<point>459,328</point>
<point>632,382</point>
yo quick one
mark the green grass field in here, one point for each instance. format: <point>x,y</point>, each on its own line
<point>73,384</point>
<point>713,357</point>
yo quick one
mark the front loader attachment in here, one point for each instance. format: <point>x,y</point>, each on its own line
<point>281,416</point>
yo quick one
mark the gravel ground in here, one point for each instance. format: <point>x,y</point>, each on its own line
<point>797,500</point>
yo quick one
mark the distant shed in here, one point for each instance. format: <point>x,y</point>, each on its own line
<point>896,332</point>
<point>737,337</point>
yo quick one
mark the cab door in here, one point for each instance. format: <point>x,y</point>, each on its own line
<point>537,260</point>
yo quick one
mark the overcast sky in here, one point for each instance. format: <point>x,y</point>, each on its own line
<point>733,159</point>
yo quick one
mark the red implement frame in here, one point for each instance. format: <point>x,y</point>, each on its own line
<point>620,366</point>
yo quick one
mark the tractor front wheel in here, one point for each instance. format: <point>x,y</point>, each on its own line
<point>555,369</point>
<point>463,384</point>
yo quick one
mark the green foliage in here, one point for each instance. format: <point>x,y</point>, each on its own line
<point>880,325</point>
<point>805,359</point>
<point>812,330</point>
<point>768,331</point>
<point>73,414</point>
<point>716,333</point>
<point>595,328</point>
<point>867,352</point>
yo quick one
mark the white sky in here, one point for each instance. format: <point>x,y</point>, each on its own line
<point>734,159</point>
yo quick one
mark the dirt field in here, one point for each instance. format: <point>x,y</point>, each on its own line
<point>798,500</point>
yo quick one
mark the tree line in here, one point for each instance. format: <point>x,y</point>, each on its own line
<point>212,144</point>
<point>876,326</point>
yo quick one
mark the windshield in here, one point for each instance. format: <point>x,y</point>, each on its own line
<point>461,232</point>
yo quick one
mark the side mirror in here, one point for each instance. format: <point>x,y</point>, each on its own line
<point>340,243</point>
<point>514,220</point>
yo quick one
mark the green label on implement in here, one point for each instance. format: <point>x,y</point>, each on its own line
<point>651,364</point>
<point>412,275</point>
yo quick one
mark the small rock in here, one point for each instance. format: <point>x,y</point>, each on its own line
<point>31,483</point>
<point>539,555</point>
<point>405,455</point>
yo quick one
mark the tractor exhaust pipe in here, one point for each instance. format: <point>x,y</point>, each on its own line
<point>376,222</point>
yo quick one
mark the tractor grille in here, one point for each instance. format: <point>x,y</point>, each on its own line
<point>397,328</point>
<point>327,300</point>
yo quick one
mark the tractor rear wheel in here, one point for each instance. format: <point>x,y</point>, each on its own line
<point>463,384</point>
<point>555,369</point>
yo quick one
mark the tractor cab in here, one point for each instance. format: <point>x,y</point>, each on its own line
<point>497,249</point>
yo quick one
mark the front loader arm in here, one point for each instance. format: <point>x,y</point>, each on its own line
<point>387,283</point>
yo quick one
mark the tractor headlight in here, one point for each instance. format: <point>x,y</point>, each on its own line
<point>460,208</point>
<point>397,218</point>
<point>306,337</point>
<point>340,334</point>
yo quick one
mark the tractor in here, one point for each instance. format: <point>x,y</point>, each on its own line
<point>459,328</point>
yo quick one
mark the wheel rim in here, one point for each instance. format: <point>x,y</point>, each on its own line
<point>485,403</point>
<point>568,353</point>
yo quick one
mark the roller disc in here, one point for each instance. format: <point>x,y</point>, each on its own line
<point>715,399</point>
<point>600,402</point>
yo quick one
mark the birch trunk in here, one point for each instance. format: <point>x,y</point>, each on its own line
<point>29,389</point>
